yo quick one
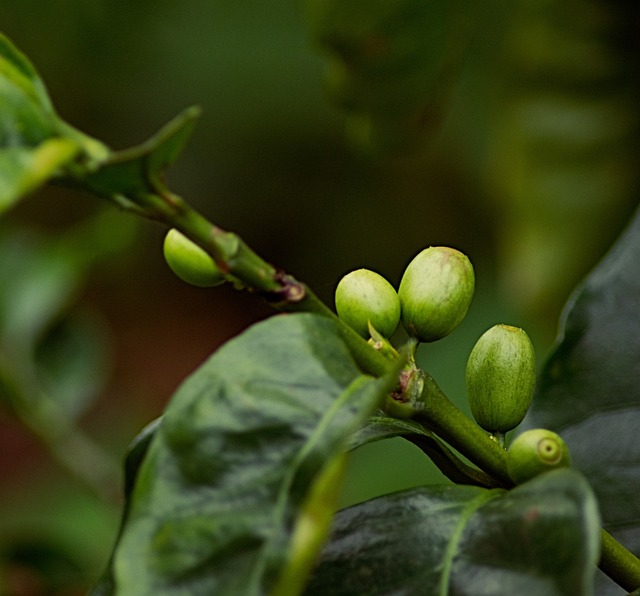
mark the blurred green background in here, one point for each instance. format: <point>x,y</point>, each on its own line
<point>530,168</point>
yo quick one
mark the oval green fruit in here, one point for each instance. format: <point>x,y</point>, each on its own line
<point>190,262</point>
<point>364,296</point>
<point>501,375</point>
<point>534,452</point>
<point>435,292</point>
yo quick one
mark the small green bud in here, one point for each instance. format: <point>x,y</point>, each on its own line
<point>190,262</point>
<point>501,375</point>
<point>364,297</point>
<point>435,292</point>
<point>534,452</point>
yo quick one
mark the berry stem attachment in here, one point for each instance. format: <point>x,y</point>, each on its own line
<point>432,408</point>
<point>499,438</point>
<point>232,255</point>
<point>457,429</point>
<point>380,343</point>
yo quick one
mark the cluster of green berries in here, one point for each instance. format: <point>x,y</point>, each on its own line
<point>433,298</point>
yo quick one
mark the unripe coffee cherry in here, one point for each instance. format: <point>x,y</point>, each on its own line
<point>363,296</point>
<point>501,374</point>
<point>435,292</point>
<point>190,262</point>
<point>534,452</point>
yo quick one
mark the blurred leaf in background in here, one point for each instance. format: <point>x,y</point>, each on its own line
<point>391,65</point>
<point>564,143</point>
<point>54,364</point>
<point>45,342</point>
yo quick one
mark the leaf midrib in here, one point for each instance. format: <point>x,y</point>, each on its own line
<point>451,550</point>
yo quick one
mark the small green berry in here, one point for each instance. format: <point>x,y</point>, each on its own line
<point>190,262</point>
<point>501,375</point>
<point>435,292</point>
<point>364,296</point>
<point>534,452</point>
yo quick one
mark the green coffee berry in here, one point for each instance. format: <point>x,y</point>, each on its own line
<point>364,296</point>
<point>534,452</point>
<point>435,292</point>
<point>190,262</point>
<point>501,374</point>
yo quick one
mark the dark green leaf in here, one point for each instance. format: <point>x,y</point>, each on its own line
<point>384,427</point>
<point>237,456</point>
<point>136,453</point>
<point>542,538</point>
<point>589,390</point>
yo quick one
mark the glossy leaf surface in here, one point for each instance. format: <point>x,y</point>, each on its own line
<point>136,453</point>
<point>539,539</point>
<point>381,427</point>
<point>589,391</point>
<point>237,455</point>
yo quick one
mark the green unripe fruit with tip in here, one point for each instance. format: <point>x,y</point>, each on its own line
<point>363,296</point>
<point>190,262</point>
<point>501,375</point>
<point>436,292</point>
<point>534,452</point>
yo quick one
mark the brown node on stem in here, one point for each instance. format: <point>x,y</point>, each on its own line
<point>290,291</point>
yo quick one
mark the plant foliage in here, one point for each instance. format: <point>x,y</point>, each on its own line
<point>233,490</point>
